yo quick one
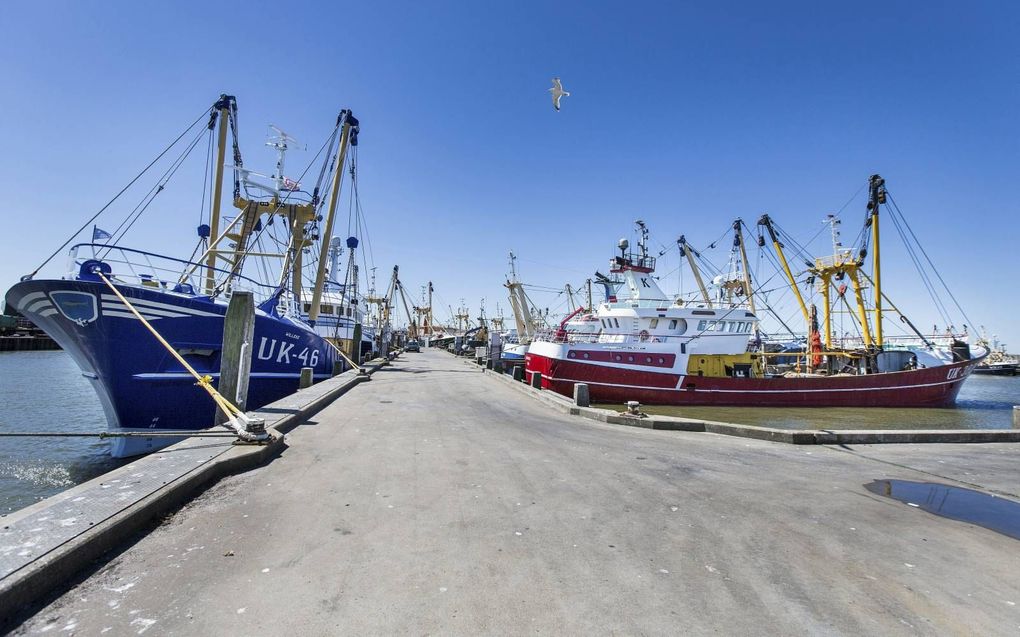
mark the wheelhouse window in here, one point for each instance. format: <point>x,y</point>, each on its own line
<point>326,309</point>
<point>653,324</point>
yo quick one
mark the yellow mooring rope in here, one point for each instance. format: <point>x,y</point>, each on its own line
<point>232,413</point>
<point>341,353</point>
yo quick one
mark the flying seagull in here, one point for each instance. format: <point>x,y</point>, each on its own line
<point>557,92</point>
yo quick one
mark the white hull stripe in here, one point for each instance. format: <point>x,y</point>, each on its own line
<point>29,298</point>
<point>755,391</point>
<point>38,305</point>
<point>120,307</point>
<point>49,312</point>
<point>142,303</point>
<point>129,315</point>
<point>186,376</point>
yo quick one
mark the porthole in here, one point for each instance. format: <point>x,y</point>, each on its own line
<point>572,355</point>
<point>661,361</point>
<point>648,359</point>
<point>630,359</point>
<point>586,355</point>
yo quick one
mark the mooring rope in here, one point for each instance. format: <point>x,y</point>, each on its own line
<point>232,413</point>
<point>341,353</point>
<point>162,433</point>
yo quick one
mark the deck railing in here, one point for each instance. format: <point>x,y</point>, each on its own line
<point>144,269</point>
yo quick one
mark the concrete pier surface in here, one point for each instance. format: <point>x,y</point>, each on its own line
<point>437,500</point>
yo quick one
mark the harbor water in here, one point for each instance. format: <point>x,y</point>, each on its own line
<point>45,391</point>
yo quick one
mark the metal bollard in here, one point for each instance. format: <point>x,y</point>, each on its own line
<point>581,398</point>
<point>536,380</point>
<point>518,373</point>
<point>306,377</point>
<point>633,408</point>
<point>338,368</point>
<point>1016,416</point>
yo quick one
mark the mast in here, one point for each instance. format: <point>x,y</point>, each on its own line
<point>767,222</point>
<point>519,304</point>
<point>737,225</point>
<point>686,251</point>
<point>222,107</point>
<point>349,122</point>
<point>429,329</point>
<point>876,197</point>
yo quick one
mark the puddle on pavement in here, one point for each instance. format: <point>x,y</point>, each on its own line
<point>997,514</point>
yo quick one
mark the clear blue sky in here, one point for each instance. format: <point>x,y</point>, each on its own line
<point>684,114</point>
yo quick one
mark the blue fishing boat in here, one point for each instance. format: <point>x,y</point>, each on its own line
<point>93,310</point>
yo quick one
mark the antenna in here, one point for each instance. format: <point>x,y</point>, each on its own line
<point>834,224</point>
<point>643,242</point>
<point>282,142</point>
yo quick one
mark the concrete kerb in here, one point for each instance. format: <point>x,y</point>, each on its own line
<point>787,436</point>
<point>61,564</point>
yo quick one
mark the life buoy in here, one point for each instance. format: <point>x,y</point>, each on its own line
<point>643,335</point>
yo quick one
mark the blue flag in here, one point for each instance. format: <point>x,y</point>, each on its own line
<point>98,234</point>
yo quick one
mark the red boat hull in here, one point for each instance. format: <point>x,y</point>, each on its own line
<point>926,387</point>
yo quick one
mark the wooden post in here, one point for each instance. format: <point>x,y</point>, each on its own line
<point>518,372</point>
<point>235,357</point>
<point>356,344</point>
<point>1016,416</point>
<point>536,380</point>
<point>306,378</point>
<point>581,398</point>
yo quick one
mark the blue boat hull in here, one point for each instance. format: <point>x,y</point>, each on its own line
<point>141,386</point>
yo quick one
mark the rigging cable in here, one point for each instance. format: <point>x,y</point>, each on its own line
<point>206,173</point>
<point>143,205</point>
<point>237,266</point>
<point>28,277</point>
<point>928,259</point>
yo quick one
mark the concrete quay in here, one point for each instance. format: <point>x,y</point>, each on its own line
<point>437,500</point>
